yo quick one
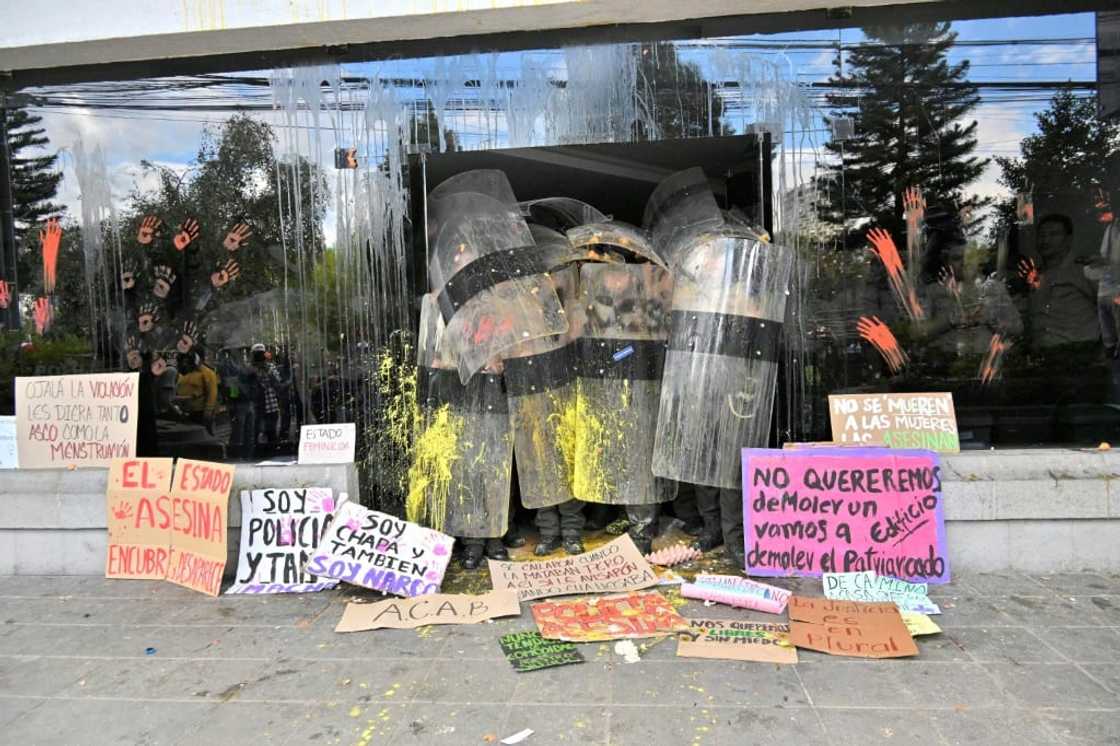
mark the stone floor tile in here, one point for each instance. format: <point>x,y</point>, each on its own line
<point>1084,644</point>
<point>154,678</point>
<point>1108,674</point>
<point>860,726</point>
<point>581,724</point>
<point>454,681</point>
<point>1000,584</point>
<point>106,723</point>
<point>1004,644</point>
<point>443,724</point>
<point>1059,685</point>
<point>1052,611</point>
<point>972,611</point>
<point>67,610</point>
<point>579,684</point>
<point>831,682</point>
<point>1081,727</point>
<point>287,609</point>
<point>674,725</point>
<point>965,726</point>
<point>1076,584</point>
<point>42,677</point>
<point>703,683</point>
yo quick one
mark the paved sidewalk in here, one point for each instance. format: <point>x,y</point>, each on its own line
<point>1022,660</point>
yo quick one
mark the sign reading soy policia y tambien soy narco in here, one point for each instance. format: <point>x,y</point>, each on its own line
<point>823,510</point>
<point>76,421</point>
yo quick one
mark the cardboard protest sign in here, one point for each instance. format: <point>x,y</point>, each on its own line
<point>528,651</point>
<point>598,618</point>
<point>436,608</point>
<point>83,420</point>
<point>327,444</point>
<point>919,624</point>
<point>279,530</point>
<point>849,628</point>
<point>383,553</point>
<point>9,453</point>
<point>138,509</point>
<point>743,593</point>
<point>896,420</point>
<point>200,516</point>
<point>869,587</point>
<point>727,639</point>
<point>616,566</point>
<point>844,510</point>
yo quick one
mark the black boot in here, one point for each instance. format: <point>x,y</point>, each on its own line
<point>708,540</point>
<point>573,545</point>
<point>645,546</point>
<point>695,528</point>
<point>496,550</point>
<point>547,545</point>
<point>513,538</point>
<point>472,555</point>
<point>736,556</point>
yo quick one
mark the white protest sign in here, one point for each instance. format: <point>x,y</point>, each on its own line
<point>83,420</point>
<point>327,444</point>
<point>279,530</point>
<point>9,458</point>
<point>869,587</point>
<point>381,552</point>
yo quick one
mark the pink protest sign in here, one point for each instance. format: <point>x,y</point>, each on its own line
<point>824,510</point>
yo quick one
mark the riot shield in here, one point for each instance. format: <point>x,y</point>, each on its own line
<point>680,208</point>
<point>721,369</point>
<point>560,213</point>
<point>615,234</point>
<point>621,352</point>
<point>486,271</point>
<point>459,478</point>
<point>540,380</point>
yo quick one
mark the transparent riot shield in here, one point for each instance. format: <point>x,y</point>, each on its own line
<point>486,272</point>
<point>681,207</point>
<point>721,369</point>
<point>625,323</point>
<point>615,234</point>
<point>459,478</point>
<point>540,380</point>
<point>561,213</point>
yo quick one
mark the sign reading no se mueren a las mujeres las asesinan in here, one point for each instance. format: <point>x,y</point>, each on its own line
<point>895,420</point>
<point>844,510</point>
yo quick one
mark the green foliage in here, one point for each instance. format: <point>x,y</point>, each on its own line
<point>57,355</point>
<point>683,102</point>
<point>34,182</point>
<point>910,109</point>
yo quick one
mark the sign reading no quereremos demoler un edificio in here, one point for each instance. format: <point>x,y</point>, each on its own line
<point>327,444</point>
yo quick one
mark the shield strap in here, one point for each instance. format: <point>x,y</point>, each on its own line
<point>746,337</point>
<point>547,371</point>
<point>629,359</point>
<point>482,394</point>
<point>486,272</point>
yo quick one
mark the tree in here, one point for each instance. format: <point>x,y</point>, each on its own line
<point>909,107</point>
<point>1069,154</point>
<point>683,102</point>
<point>34,183</point>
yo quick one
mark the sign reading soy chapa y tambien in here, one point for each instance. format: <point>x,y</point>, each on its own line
<point>844,510</point>
<point>279,530</point>
<point>896,420</point>
<point>381,552</point>
<point>81,420</point>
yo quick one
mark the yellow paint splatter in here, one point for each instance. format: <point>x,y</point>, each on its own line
<point>355,711</point>
<point>429,477</point>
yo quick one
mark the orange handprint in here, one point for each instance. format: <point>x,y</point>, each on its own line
<point>188,232</point>
<point>993,360</point>
<point>224,273</point>
<point>49,236</point>
<point>880,336</point>
<point>43,315</point>
<point>149,229</point>
<point>947,279</point>
<point>5,294</point>
<point>122,510</point>
<point>882,246</point>
<point>1028,270</point>
<point>237,236</point>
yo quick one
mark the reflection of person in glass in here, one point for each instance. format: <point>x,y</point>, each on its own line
<point>1062,306</point>
<point>1105,269</point>
<point>197,389</point>
<point>964,308</point>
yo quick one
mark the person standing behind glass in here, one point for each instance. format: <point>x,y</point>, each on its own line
<point>1105,270</point>
<point>1062,307</point>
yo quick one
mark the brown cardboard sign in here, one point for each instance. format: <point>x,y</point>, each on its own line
<point>138,511</point>
<point>926,421</point>
<point>199,519</point>
<point>731,639</point>
<point>435,608</point>
<point>849,628</point>
<point>614,567</point>
<point>626,615</point>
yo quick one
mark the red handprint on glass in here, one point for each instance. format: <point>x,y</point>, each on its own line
<point>5,294</point>
<point>992,363</point>
<point>225,273</point>
<point>882,338</point>
<point>42,313</point>
<point>188,232</point>
<point>149,229</point>
<point>947,279</point>
<point>49,238</point>
<point>1030,273</point>
<point>187,337</point>
<point>237,236</point>
<point>882,246</point>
